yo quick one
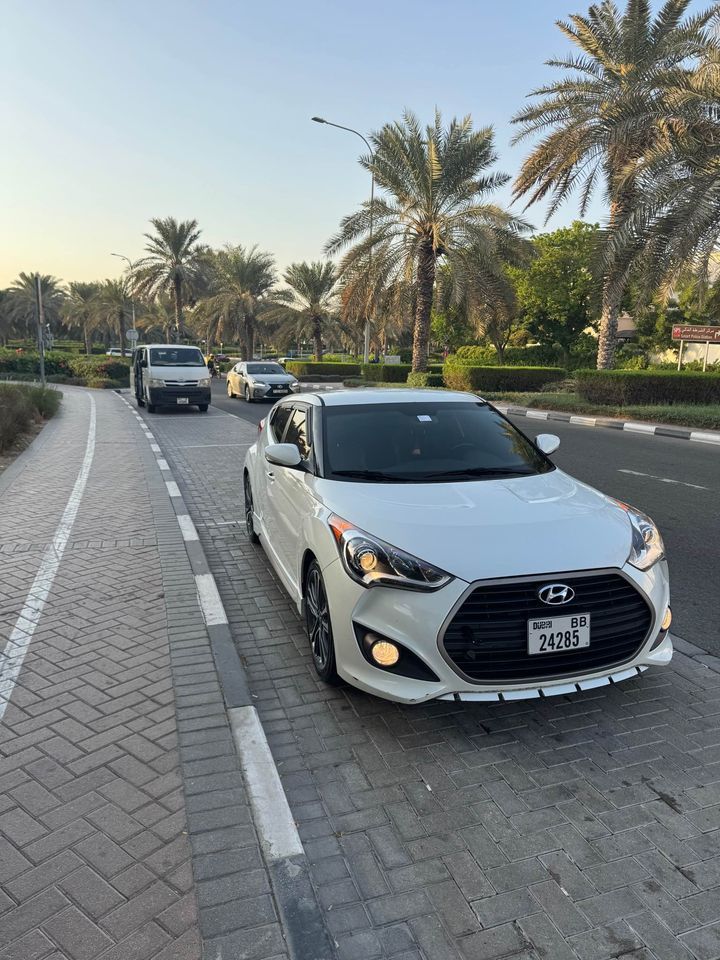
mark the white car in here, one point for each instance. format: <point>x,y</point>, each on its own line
<point>434,551</point>
<point>259,380</point>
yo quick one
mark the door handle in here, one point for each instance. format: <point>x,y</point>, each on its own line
<point>269,474</point>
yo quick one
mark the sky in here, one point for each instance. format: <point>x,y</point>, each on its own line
<point>113,113</point>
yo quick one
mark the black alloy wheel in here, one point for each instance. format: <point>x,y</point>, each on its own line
<point>318,625</point>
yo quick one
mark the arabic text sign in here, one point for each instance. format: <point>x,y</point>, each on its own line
<point>696,333</point>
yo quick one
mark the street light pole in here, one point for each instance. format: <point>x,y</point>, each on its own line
<point>132,299</point>
<point>366,346</point>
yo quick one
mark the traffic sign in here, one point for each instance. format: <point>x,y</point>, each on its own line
<point>132,335</point>
<point>695,333</point>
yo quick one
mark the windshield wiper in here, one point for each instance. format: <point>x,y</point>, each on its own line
<point>477,472</point>
<point>372,475</point>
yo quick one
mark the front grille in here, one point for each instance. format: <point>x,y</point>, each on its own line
<point>487,637</point>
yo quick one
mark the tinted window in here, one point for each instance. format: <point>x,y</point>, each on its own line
<point>176,357</point>
<point>428,441</point>
<point>297,432</point>
<point>264,368</point>
<point>278,420</point>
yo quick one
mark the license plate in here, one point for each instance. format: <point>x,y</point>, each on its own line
<point>183,400</point>
<point>559,634</point>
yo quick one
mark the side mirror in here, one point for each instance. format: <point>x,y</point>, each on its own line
<point>547,442</point>
<point>283,454</point>
<point>143,362</point>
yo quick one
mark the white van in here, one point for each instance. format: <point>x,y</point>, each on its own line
<point>168,375</point>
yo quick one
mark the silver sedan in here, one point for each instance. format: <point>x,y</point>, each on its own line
<point>259,380</point>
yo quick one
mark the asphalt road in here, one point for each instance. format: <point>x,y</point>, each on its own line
<point>675,481</point>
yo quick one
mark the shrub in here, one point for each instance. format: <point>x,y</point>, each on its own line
<point>104,383</point>
<point>623,387</point>
<point>20,406</point>
<point>386,372</point>
<point>472,378</point>
<point>309,368</point>
<point>116,368</point>
<point>425,380</point>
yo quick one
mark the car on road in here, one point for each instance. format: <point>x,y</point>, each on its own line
<point>168,375</point>
<point>116,352</point>
<point>435,551</point>
<point>259,380</point>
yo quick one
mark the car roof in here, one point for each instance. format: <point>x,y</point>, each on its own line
<point>171,346</point>
<point>360,396</point>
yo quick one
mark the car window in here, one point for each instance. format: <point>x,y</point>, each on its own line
<point>264,368</point>
<point>238,368</point>
<point>279,419</point>
<point>428,441</point>
<point>297,432</point>
<point>176,357</point>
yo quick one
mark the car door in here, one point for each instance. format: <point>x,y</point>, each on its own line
<point>264,487</point>
<point>291,499</point>
<point>234,375</point>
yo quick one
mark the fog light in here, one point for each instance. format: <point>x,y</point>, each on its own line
<point>384,653</point>
<point>667,620</point>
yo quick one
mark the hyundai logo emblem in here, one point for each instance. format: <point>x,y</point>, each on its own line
<point>556,593</point>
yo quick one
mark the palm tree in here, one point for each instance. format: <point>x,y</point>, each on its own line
<point>241,287</point>
<point>81,309</point>
<point>436,183</point>
<point>307,305</point>
<point>616,103</point>
<point>173,264</point>
<point>114,306</point>
<point>23,300</point>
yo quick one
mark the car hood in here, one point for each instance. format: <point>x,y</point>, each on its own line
<point>271,377</point>
<point>477,530</point>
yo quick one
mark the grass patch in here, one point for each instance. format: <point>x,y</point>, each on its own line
<point>703,416</point>
<point>21,406</point>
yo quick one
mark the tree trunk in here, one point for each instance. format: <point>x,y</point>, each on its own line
<point>607,340</point>
<point>177,298</point>
<point>317,336</point>
<point>500,349</point>
<point>86,336</point>
<point>423,306</point>
<point>249,336</point>
<point>121,325</point>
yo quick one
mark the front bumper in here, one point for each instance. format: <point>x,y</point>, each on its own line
<point>271,391</point>
<point>168,396</point>
<point>416,620</point>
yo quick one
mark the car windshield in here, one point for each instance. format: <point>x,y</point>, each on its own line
<point>265,368</point>
<point>425,442</point>
<point>176,357</point>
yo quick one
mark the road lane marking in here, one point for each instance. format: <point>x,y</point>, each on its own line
<point>272,815</point>
<point>12,658</point>
<point>651,476</point>
<point>211,605</point>
<point>163,464</point>
<point>187,527</point>
<point>172,488</point>
<point>155,448</point>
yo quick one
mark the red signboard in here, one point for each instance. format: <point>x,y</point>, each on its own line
<point>689,331</point>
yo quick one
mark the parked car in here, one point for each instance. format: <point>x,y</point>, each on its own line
<point>116,352</point>
<point>435,551</point>
<point>259,380</point>
<point>167,375</point>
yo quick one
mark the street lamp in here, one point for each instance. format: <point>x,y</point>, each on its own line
<point>132,299</point>
<point>366,348</point>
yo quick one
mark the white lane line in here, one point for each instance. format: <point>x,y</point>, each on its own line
<point>651,476</point>
<point>196,446</point>
<point>702,437</point>
<point>273,819</point>
<point>187,527</point>
<point>211,605</point>
<point>172,488</point>
<point>155,448</point>
<point>11,659</point>
<point>639,427</point>
<point>163,464</point>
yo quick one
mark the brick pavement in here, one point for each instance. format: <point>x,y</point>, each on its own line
<point>116,707</point>
<point>583,827</point>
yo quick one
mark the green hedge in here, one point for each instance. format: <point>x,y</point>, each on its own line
<point>66,366</point>
<point>582,354</point>
<point>307,368</point>
<point>462,377</point>
<point>20,406</point>
<point>386,372</point>
<point>425,380</point>
<point>622,387</point>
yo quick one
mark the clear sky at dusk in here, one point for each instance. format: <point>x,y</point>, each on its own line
<point>113,113</point>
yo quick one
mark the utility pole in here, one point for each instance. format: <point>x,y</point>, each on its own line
<point>40,316</point>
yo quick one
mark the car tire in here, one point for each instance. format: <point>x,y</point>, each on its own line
<point>247,395</point>
<point>140,401</point>
<point>151,408</point>
<point>318,625</point>
<point>230,393</point>
<point>249,522</point>
<point>203,407</point>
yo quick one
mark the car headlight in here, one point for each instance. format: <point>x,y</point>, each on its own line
<point>372,562</point>
<point>154,382</point>
<point>647,543</point>
<point>258,383</point>
<point>204,382</point>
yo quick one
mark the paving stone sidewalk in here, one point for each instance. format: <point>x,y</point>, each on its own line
<point>583,827</point>
<point>97,835</point>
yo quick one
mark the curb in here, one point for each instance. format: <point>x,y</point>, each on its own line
<point>631,426</point>
<point>300,914</point>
